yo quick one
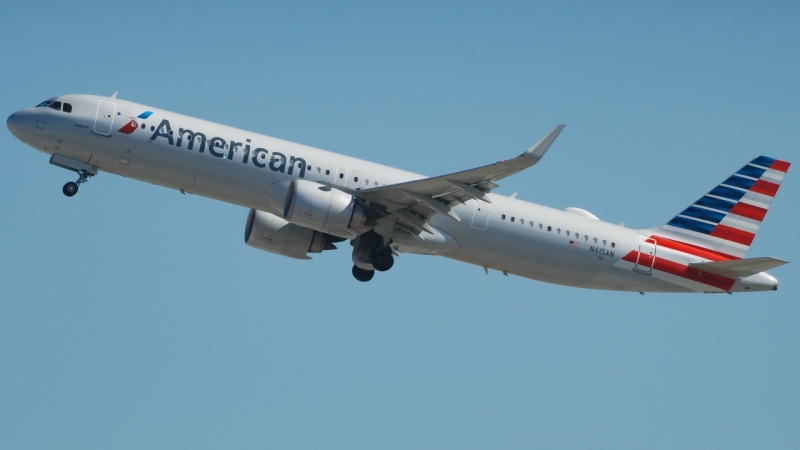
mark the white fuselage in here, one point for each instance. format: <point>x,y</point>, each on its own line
<point>509,235</point>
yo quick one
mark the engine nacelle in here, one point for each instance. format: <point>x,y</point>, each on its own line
<point>322,208</point>
<point>269,232</point>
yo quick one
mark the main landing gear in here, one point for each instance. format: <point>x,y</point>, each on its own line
<point>370,254</point>
<point>71,188</point>
<point>382,259</point>
<point>362,275</point>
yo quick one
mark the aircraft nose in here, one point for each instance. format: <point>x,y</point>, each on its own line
<point>18,123</point>
<point>13,122</point>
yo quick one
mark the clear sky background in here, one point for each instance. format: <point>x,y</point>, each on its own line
<point>132,316</point>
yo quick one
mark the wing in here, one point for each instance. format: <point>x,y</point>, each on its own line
<point>414,203</point>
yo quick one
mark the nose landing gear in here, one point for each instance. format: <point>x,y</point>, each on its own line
<point>84,171</point>
<point>71,188</point>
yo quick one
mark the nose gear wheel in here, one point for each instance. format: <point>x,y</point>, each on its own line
<point>71,188</point>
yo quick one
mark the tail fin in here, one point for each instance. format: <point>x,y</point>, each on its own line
<point>726,219</point>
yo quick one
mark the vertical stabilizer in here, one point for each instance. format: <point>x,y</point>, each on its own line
<point>726,219</point>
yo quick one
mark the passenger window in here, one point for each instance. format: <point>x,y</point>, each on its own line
<point>55,105</point>
<point>341,175</point>
<point>512,218</point>
<point>143,125</point>
<point>585,238</point>
<point>558,230</point>
<point>613,245</point>
<point>503,217</point>
<point>355,179</point>
<point>549,228</point>
<point>567,232</point>
<point>67,107</point>
<point>604,242</point>
<point>595,240</point>
<point>540,226</point>
<point>366,182</point>
<point>327,172</point>
<point>318,170</point>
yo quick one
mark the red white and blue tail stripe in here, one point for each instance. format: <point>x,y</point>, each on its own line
<point>726,219</point>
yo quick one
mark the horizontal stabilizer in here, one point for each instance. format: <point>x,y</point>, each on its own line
<point>740,268</point>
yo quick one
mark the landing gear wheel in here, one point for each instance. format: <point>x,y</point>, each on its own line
<point>70,189</point>
<point>383,260</point>
<point>362,274</point>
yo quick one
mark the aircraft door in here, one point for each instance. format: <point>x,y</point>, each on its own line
<point>105,117</point>
<point>647,256</point>
<point>341,176</point>
<point>480,215</point>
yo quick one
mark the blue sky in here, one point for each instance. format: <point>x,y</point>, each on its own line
<point>132,316</point>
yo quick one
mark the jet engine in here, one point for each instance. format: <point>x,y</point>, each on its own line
<point>269,232</point>
<point>318,207</point>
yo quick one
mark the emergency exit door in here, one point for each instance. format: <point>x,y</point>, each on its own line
<point>480,215</point>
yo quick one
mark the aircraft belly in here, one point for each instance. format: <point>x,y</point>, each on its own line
<point>530,259</point>
<point>618,279</point>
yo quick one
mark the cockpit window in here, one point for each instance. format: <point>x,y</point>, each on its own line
<point>67,108</point>
<point>55,105</point>
<point>44,103</point>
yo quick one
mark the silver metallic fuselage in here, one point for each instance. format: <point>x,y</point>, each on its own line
<point>485,235</point>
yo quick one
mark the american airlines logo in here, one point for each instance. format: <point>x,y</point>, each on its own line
<point>222,148</point>
<point>131,126</point>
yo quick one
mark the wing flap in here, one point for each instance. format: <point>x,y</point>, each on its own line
<point>740,268</point>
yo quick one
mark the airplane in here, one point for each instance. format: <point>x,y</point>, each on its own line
<point>303,200</point>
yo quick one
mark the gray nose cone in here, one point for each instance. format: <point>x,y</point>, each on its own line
<point>18,123</point>
<point>13,122</point>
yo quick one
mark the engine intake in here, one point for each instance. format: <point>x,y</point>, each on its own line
<point>269,232</point>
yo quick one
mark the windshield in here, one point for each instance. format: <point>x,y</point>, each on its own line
<point>44,103</point>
